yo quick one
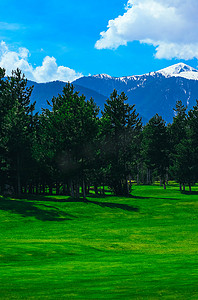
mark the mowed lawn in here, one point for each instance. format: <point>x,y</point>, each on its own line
<point>142,247</point>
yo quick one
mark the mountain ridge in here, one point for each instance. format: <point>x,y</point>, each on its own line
<point>154,92</point>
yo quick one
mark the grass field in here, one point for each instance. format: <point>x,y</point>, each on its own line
<point>142,247</point>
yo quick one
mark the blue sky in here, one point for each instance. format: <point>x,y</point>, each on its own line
<point>60,40</point>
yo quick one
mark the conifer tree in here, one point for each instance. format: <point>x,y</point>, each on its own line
<point>121,128</point>
<point>18,128</point>
<point>155,147</point>
<point>72,126</point>
<point>193,139</point>
<point>180,145</point>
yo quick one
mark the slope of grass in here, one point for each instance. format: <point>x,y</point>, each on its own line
<point>141,247</point>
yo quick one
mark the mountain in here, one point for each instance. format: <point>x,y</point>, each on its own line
<point>180,70</point>
<point>154,92</point>
<point>45,91</point>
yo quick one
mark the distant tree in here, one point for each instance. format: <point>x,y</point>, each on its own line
<point>155,147</point>
<point>120,131</point>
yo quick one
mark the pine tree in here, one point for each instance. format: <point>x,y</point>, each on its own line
<point>121,128</point>
<point>180,144</point>
<point>72,126</point>
<point>155,147</point>
<point>5,106</point>
<point>193,139</point>
<point>18,128</point>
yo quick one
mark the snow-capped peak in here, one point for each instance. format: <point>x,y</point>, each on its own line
<point>180,70</point>
<point>103,76</point>
<point>177,70</point>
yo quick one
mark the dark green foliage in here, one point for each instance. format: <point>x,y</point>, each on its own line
<point>193,138</point>
<point>68,148</point>
<point>17,124</point>
<point>71,127</point>
<point>120,132</point>
<point>181,157</point>
<point>155,146</point>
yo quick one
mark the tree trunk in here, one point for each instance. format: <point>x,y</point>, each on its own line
<point>147,177</point>
<point>43,189</point>
<point>77,193</point>
<point>30,189</point>
<point>18,176</point>
<point>150,181</point>
<point>84,189</point>
<point>96,189</point>
<point>72,189</point>
<point>68,190</point>
<point>88,189</point>
<point>50,189</point>
<point>36,188</point>
<point>127,187</point>
<point>103,190</point>
<point>138,178</point>
<point>184,188</point>
<point>25,189</point>
<point>190,187</point>
<point>64,189</point>
<point>57,188</point>
<point>167,179</point>
<point>180,187</point>
<point>164,184</point>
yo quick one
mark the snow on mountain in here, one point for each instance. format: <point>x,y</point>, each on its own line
<point>154,92</point>
<point>179,70</point>
<point>102,76</point>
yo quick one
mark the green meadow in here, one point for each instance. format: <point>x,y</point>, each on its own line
<point>140,247</point>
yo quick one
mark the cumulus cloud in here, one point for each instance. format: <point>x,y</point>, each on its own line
<point>48,71</point>
<point>169,25</point>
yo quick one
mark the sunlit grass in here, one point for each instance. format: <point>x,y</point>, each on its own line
<point>140,247</point>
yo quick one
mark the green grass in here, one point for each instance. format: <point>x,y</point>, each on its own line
<point>142,247</point>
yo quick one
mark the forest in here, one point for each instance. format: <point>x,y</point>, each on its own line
<point>72,147</point>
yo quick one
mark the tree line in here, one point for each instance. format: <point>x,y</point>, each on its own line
<point>69,149</point>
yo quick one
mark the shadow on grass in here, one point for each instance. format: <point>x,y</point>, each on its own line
<point>189,193</point>
<point>86,201</point>
<point>55,198</point>
<point>28,209</point>
<point>113,205</point>
<point>129,197</point>
<point>103,204</point>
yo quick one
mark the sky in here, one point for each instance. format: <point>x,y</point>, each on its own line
<point>64,40</point>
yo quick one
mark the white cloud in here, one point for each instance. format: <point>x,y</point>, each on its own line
<point>48,71</point>
<point>170,25</point>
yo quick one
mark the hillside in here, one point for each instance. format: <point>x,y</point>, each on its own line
<point>45,91</point>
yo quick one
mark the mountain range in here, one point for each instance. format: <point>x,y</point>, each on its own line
<point>154,92</point>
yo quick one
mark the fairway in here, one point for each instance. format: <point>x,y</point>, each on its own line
<point>141,247</point>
